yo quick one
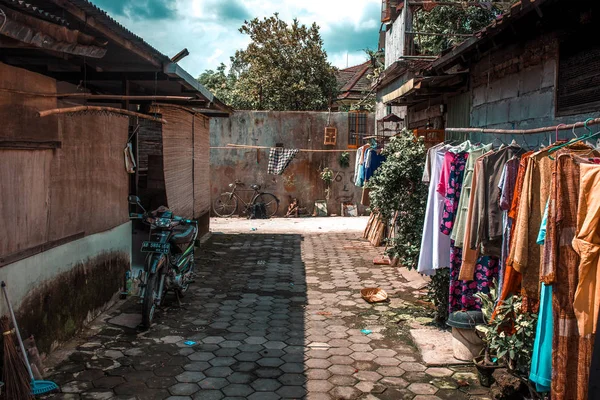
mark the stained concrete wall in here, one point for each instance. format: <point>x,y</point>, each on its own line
<point>514,88</point>
<point>56,291</point>
<point>294,130</point>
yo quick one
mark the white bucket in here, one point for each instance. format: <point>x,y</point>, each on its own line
<point>466,344</point>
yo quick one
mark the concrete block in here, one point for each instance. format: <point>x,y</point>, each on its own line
<point>479,95</point>
<point>497,113</point>
<point>532,79</point>
<point>541,105</point>
<point>435,347</point>
<point>479,116</point>
<point>508,87</point>
<point>549,73</point>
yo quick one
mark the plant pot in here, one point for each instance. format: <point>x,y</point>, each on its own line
<point>485,371</point>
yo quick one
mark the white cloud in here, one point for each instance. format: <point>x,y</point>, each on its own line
<point>209,28</point>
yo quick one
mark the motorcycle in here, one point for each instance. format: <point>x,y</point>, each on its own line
<point>169,261</point>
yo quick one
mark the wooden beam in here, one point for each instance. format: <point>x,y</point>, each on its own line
<point>108,33</point>
<point>71,110</point>
<point>21,255</point>
<point>87,96</point>
<point>29,145</point>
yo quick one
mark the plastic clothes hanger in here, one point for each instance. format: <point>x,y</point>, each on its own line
<point>579,139</point>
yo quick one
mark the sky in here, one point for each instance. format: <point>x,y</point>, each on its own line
<point>209,28</point>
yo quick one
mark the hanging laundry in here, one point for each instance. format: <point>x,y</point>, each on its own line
<point>279,159</point>
<point>435,247</point>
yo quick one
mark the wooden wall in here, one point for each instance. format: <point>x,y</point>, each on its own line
<point>54,195</point>
<point>185,157</point>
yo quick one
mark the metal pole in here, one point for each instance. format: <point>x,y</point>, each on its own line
<point>561,127</point>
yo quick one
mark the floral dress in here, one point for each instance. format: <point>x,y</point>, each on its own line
<point>452,191</point>
<point>462,292</point>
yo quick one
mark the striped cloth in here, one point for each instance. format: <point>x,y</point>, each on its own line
<point>279,159</point>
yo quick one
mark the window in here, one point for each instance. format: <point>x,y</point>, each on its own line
<point>578,88</point>
<point>388,10</point>
<point>357,128</point>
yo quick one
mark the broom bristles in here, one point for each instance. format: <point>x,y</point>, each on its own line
<point>17,382</point>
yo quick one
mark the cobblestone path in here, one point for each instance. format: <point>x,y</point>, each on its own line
<point>273,317</point>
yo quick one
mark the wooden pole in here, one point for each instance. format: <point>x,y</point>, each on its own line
<point>99,96</point>
<point>70,110</point>
<point>561,127</point>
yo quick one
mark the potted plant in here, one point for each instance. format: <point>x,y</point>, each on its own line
<point>509,337</point>
<point>487,362</point>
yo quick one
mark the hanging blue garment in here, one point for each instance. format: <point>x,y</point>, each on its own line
<point>541,359</point>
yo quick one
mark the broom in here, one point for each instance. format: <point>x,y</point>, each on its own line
<point>17,384</point>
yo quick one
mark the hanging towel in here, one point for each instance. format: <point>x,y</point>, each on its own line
<point>279,159</point>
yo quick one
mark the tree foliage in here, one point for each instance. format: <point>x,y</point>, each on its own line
<point>457,19</point>
<point>397,186</point>
<point>283,68</point>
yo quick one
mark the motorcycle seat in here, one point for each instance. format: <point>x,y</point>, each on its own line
<point>182,234</point>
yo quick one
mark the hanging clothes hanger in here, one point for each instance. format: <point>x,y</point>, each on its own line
<point>557,128</point>
<point>579,139</point>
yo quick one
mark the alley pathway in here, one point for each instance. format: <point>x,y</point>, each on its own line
<point>274,316</point>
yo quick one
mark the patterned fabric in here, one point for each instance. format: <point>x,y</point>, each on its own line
<point>279,159</point>
<point>453,190</point>
<point>571,353</point>
<point>462,292</point>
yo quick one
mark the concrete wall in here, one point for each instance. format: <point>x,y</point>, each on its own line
<point>294,130</point>
<point>56,291</point>
<point>514,88</point>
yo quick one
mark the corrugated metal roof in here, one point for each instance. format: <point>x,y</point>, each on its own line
<point>35,10</point>
<point>102,16</point>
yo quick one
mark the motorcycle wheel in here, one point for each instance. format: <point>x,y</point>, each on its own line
<point>149,303</point>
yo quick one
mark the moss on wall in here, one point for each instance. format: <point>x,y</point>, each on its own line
<point>57,309</point>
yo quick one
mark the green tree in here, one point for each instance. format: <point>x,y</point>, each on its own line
<point>450,20</point>
<point>396,187</point>
<point>283,68</point>
<point>219,82</point>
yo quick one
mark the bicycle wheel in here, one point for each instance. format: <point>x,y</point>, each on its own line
<point>225,205</point>
<point>270,201</point>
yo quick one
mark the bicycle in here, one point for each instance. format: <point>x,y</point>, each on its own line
<point>227,203</point>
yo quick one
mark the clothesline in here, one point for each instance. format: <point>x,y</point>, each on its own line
<point>243,146</point>
<point>556,128</point>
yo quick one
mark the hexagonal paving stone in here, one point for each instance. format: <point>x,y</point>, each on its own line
<point>293,379</point>
<point>238,390</point>
<point>197,366</point>
<point>412,367</point>
<point>368,376</point>
<point>274,345</point>
<point>343,360</point>
<point>342,369</point>
<point>213,383</point>
<point>340,351</point>
<point>222,361</point>
<point>361,347</point>
<point>213,339</point>
<point>422,388</point>
<point>255,340</point>
<point>387,361</point>
<point>343,380</point>
<point>201,356</point>
<point>270,362</point>
<point>246,356</point>
<point>218,372</point>
<point>318,386</point>
<point>108,382</point>
<point>292,368</point>
<point>158,382</point>
<point>209,395</point>
<point>391,371</point>
<point>230,344</point>
<point>295,392</point>
<point>439,372</point>
<point>317,363</point>
<point>362,356</point>
<point>384,352</point>
<point>264,396</point>
<point>346,393</point>
<point>226,352</point>
<point>266,385</point>
<point>184,389</point>
<point>394,381</point>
